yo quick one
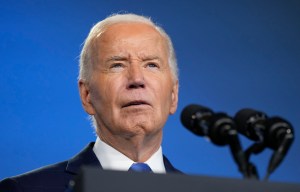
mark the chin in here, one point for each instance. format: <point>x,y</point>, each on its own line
<point>140,127</point>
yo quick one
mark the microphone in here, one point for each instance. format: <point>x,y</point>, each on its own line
<point>196,119</point>
<point>218,127</point>
<point>279,137</point>
<point>275,133</point>
<point>251,123</point>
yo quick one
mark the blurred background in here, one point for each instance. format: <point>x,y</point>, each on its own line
<point>231,54</point>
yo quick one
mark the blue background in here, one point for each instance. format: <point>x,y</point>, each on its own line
<point>232,54</point>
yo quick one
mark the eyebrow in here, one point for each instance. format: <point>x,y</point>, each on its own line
<point>125,58</point>
<point>117,58</point>
<point>150,57</point>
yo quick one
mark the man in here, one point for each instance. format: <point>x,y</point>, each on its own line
<point>128,84</point>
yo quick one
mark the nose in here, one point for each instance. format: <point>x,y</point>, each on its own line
<point>135,77</point>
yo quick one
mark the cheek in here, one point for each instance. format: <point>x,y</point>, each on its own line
<point>164,95</point>
<point>101,93</point>
<point>111,88</point>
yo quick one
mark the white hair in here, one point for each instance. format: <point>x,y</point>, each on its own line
<point>87,55</point>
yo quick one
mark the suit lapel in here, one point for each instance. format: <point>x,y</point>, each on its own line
<point>169,167</point>
<point>86,157</point>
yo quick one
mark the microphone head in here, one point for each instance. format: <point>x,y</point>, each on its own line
<point>277,129</point>
<point>251,123</point>
<point>204,122</point>
<point>196,119</point>
<point>221,126</point>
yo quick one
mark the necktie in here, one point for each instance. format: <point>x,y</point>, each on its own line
<point>140,167</point>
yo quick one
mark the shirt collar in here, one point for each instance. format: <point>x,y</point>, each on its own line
<point>111,159</point>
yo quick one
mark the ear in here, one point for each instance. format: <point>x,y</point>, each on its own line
<point>174,98</point>
<point>85,96</point>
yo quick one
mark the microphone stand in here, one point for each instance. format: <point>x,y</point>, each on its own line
<point>256,148</point>
<point>237,152</point>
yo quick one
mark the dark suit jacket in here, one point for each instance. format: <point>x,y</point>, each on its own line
<point>56,178</point>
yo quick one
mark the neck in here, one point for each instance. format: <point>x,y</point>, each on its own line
<point>138,148</point>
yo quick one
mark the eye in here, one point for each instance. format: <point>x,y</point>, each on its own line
<point>152,65</point>
<point>116,67</point>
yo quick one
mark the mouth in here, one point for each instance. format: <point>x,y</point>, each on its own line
<point>135,103</point>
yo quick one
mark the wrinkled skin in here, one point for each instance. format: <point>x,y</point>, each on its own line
<point>131,90</point>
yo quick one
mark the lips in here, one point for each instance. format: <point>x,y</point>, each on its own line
<point>135,103</point>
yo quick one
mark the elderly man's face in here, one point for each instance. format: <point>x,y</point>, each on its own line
<point>131,90</point>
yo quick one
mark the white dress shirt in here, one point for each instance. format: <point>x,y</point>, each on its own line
<point>111,159</point>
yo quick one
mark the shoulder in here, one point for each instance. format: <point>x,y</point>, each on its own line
<point>9,184</point>
<point>52,177</point>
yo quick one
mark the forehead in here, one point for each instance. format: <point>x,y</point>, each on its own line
<point>134,29</point>
<point>134,35</point>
